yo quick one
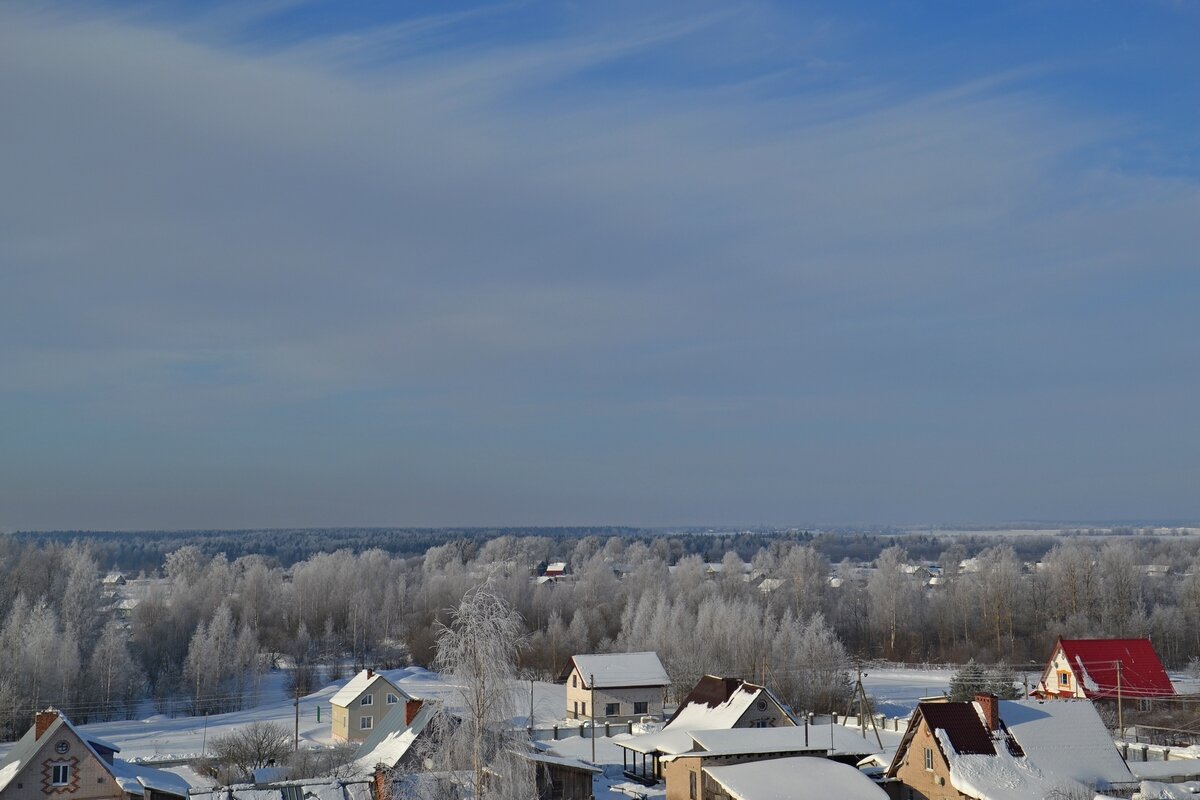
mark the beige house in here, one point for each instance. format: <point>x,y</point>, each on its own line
<point>615,687</point>
<point>54,760</point>
<point>362,704</point>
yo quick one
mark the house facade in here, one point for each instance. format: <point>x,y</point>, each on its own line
<point>362,704</point>
<point>1105,669</point>
<point>615,687</point>
<point>54,761</point>
<point>992,749</point>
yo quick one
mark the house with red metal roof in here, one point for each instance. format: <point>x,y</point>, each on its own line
<point>1105,669</point>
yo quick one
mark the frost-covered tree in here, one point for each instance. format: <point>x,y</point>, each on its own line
<point>115,679</point>
<point>477,652</point>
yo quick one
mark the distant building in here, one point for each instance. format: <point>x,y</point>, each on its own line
<point>802,778</point>
<point>363,702</point>
<point>623,686</point>
<point>54,759</point>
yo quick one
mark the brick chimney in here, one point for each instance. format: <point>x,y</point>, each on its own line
<point>370,673</point>
<point>989,705</point>
<point>43,721</point>
<point>410,711</point>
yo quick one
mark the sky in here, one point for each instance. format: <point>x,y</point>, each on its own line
<point>277,263</point>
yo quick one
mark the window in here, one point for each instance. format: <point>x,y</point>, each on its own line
<point>574,681</point>
<point>692,785</point>
<point>60,775</point>
<point>392,699</point>
<point>641,708</point>
<point>576,711</point>
<point>1145,704</point>
<point>364,723</point>
<point>367,700</point>
<point>929,758</point>
<point>293,793</point>
<point>1064,679</point>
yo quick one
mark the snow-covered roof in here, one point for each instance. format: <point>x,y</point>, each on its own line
<point>742,741</point>
<point>797,778</point>
<point>1041,747</point>
<point>669,742</point>
<point>392,739</point>
<point>615,670</point>
<point>562,761</point>
<point>359,684</point>
<point>132,778</point>
<point>718,703</point>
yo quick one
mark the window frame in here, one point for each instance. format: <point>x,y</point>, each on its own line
<point>612,709</point>
<point>366,723</point>
<point>367,700</point>
<point>391,699</point>
<point>642,707</point>
<point>66,774</point>
<point>691,785</point>
<point>929,758</point>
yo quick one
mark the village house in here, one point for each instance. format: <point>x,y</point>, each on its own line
<point>391,742</point>
<point>797,778</point>
<point>714,704</point>
<point>683,772</point>
<point>615,687</point>
<point>1106,670</point>
<point>55,760</point>
<point>994,749</point>
<point>364,701</point>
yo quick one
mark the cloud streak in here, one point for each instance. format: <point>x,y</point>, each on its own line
<point>504,278</point>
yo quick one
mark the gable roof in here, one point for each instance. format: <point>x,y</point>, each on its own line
<point>743,741</point>
<point>132,778</point>
<point>391,739</point>
<point>796,778</point>
<point>359,684</point>
<point>1049,745</point>
<point>615,670</point>
<point>1095,661</point>
<point>716,703</point>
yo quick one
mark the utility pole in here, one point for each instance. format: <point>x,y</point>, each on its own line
<point>204,738</point>
<point>592,683</point>
<point>296,738</point>
<point>531,709</point>
<point>1120,709</point>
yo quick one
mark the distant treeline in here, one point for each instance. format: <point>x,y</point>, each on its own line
<point>135,552</point>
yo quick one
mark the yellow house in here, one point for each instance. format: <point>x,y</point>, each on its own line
<point>362,703</point>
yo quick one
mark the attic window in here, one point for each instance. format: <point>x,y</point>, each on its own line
<point>574,681</point>
<point>392,699</point>
<point>60,775</point>
<point>1064,679</point>
<point>929,758</point>
<point>367,700</point>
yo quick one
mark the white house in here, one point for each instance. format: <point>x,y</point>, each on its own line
<point>615,687</point>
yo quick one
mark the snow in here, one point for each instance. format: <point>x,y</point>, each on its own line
<point>622,669</point>
<point>799,778</point>
<point>8,773</point>
<point>1154,790</point>
<point>356,686</point>
<point>703,717</point>
<point>1066,747</point>
<point>1169,771</point>
<point>755,740</point>
<point>1085,678</point>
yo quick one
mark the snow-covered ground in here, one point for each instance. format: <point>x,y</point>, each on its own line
<point>159,737</point>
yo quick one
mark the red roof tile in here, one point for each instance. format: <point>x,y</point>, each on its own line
<point>1142,674</point>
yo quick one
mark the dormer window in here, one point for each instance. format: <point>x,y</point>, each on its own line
<point>367,700</point>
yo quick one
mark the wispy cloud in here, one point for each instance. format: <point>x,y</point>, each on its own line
<point>748,283</point>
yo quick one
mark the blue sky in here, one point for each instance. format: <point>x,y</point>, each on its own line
<point>288,264</point>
